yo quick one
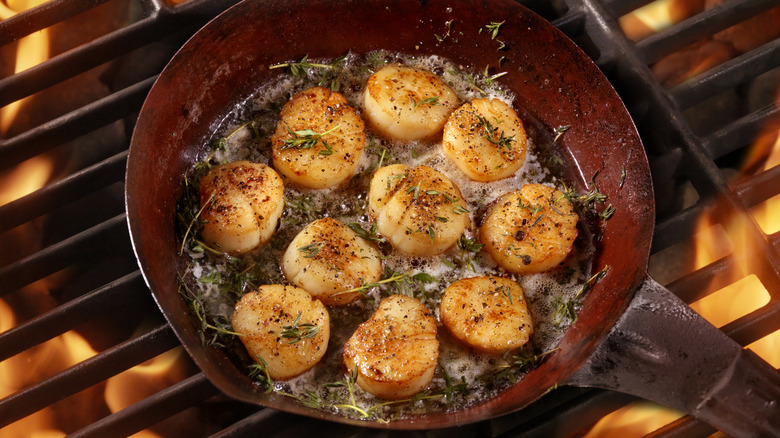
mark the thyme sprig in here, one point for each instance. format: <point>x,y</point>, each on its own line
<point>494,28</point>
<point>367,286</point>
<point>430,101</point>
<point>470,248</point>
<point>567,309</point>
<point>489,133</point>
<point>559,132</point>
<point>372,235</point>
<point>311,250</point>
<point>300,69</point>
<point>477,83</point>
<point>259,372</point>
<point>212,328</point>
<point>193,222</point>
<point>448,25</point>
<point>297,331</point>
<point>306,139</point>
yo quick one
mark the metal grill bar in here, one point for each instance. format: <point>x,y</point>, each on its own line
<point>699,27</point>
<point>728,75</point>
<point>151,410</point>
<point>61,192</point>
<point>739,133</point>
<point>42,16</point>
<point>95,241</point>
<point>87,373</point>
<point>120,294</point>
<point>74,124</point>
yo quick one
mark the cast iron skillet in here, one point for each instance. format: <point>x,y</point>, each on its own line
<point>652,345</point>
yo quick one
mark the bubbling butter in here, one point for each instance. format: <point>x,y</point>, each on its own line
<point>245,135</point>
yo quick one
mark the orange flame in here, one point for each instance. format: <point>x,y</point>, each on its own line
<point>713,240</point>
<point>31,50</point>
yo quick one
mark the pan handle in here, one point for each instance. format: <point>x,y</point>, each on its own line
<point>661,350</point>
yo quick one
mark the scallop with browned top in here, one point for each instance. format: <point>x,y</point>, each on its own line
<point>319,139</point>
<point>418,209</point>
<point>395,352</point>
<point>284,327</point>
<point>241,204</point>
<point>485,139</point>
<point>331,262</point>
<point>487,313</point>
<point>531,230</point>
<point>407,103</point>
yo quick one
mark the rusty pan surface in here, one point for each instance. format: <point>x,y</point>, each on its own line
<point>556,85</point>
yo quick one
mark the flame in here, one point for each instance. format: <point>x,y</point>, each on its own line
<point>31,50</point>
<point>657,16</point>
<point>25,178</point>
<point>32,366</point>
<point>635,419</point>
<point>144,380</point>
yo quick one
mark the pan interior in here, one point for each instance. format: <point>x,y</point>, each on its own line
<point>555,83</point>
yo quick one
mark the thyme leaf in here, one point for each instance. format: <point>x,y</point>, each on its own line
<point>559,132</point>
<point>431,101</point>
<point>489,132</point>
<point>305,139</point>
<point>494,28</point>
<point>372,235</point>
<point>259,372</point>
<point>297,331</point>
<point>311,250</point>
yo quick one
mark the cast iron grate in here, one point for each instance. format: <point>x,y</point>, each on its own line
<point>105,290</point>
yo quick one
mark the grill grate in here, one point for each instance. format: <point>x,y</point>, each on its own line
<point>105,290</point>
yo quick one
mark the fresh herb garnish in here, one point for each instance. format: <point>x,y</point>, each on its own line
<point>306,139</point>
<point>489,133</point>
<point>431,101</point>
<point>371,235</point>
<point>559,132</point>
<point>494,28</point>
<point>311,250</point>
<point>297,331</point>
<point>567,309</point>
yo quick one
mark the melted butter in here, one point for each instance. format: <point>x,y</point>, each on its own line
<point>347,204</point>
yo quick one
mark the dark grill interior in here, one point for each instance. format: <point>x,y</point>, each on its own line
<point>66,261</point>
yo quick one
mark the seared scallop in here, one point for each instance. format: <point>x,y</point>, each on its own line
<point>242,203</point>
<point>489,314</point>
<point>531,230</point>
<point>395,352</point>
<point>329,261</point>
<point>407,103</point>
<point>485,139</point>
<point>419,210</point>
<point>285,327</point>
<point>319,139</point>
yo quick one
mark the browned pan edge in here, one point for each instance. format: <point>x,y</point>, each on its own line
<point>556,85</point>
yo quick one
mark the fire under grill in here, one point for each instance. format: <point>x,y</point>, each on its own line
<point>89,353</point>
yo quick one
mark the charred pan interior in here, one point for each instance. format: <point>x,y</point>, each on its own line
<point>73,302</point>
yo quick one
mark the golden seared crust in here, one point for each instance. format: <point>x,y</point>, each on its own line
<point>407,103</point>
<point>419,210</point>
<point>328,259</point>
<point>485,139</point>
<point>488,313</point>
<point>242,203</point>
<point>261,318</point>
<point>337,135</point>
<point>395,352</point>
<point>531,230</point>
